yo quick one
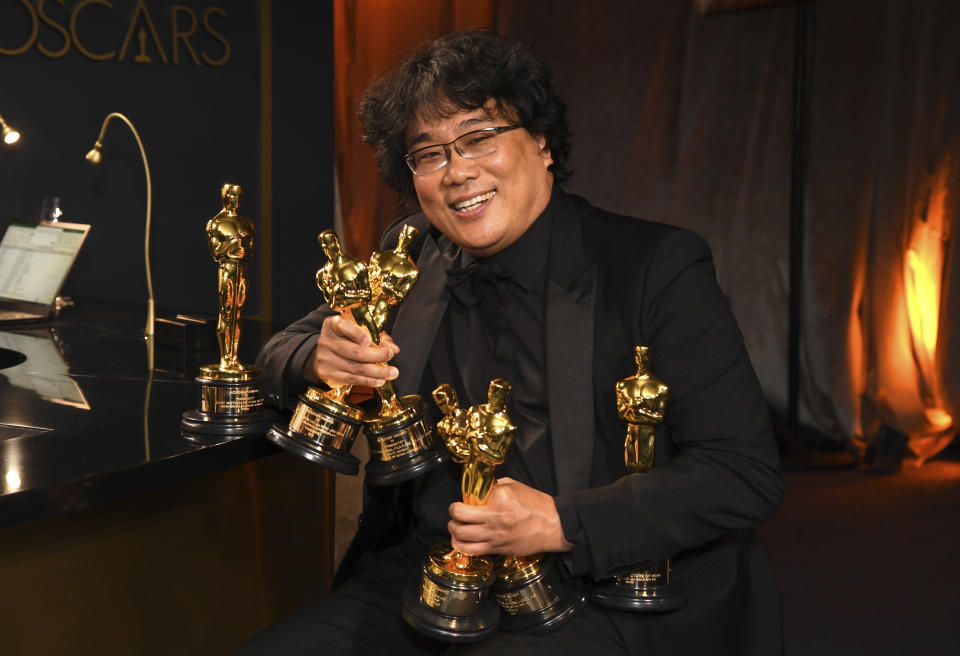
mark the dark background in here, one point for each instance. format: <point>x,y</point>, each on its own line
<point>201,127</point>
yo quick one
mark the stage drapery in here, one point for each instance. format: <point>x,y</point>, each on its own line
<point>369,36</point>
<point>686,119</point>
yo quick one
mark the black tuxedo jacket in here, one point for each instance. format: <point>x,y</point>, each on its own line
<point>615,282</point>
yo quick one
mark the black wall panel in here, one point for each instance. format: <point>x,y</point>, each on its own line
<point>188,75</point>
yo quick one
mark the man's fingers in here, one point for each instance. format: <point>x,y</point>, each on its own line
<point>344,355</point>
<point>366,374</point>
<point>474,538</point>
<point>471,533</point>
<point>354,380</point>
<point>336,370</point>
<point>366,354</point>
<point>358,345</point>
<point>375,372</point>
<point>349,330</point>
<point>387,340</point>
<point>468,514</point>
<point>348,341</point>
<point>474,547</point>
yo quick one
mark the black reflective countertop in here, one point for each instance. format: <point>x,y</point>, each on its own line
<point>83,419</point>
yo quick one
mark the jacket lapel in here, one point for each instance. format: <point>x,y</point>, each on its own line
<point>418,318</point>
<point>570,313</point>
<point>571,299</point>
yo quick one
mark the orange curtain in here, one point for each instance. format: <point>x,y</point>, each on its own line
<point>370,36</point>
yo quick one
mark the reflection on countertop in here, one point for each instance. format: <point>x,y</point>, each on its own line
<point>83,418</point>
<point>43,369</point>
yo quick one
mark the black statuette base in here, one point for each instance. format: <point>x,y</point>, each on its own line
<point>321,430</point>
<point>449,628</point>
<point>196,424</point>
<point>378,472</point>
<point>227,408</point>
<point>649,592</point>
<point>540,605</point>
<point>304,446</point>
<point>402,446</point>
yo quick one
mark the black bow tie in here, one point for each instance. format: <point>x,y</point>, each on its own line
<point>469,284</point>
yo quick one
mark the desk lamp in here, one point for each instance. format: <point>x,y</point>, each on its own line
<point>94,157</point>
<point>10,135</point>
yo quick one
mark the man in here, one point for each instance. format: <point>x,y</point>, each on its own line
<point>520,280</point>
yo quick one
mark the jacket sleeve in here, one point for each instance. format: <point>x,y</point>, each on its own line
<point>717,468</point>
<point>284,356</point>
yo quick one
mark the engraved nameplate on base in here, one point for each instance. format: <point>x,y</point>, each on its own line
<point>227,406</point>
<point>321,430</point>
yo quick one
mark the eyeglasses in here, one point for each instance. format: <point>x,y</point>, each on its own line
<point>471,145</point>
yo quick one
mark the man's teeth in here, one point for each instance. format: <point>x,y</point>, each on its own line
<point>472,202</point>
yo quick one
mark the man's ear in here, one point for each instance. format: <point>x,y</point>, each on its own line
<point>544,150</point>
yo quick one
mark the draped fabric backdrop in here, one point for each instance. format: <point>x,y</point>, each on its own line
<point>369,37</point>
<point>686,119</point>
<point>884,181</point>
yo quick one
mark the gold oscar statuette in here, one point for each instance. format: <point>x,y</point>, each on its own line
<point>641,406</point>
<point>230,396</point>
<point>325,424</point>
<point>453,601</point>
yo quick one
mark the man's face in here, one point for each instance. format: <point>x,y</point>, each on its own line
<point>483,204</point>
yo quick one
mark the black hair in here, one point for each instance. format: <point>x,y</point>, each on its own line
<point>459,72</point>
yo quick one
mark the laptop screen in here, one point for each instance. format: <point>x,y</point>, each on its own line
<point>35,259</point>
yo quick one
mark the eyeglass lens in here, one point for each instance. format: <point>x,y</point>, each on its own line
<point>470,145</point>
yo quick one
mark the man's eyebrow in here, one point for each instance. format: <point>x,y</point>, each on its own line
<point>427,140</point>
<point>420,138</point>
<point>474,120</point>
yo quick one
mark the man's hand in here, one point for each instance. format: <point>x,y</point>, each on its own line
<point>517,519</point>
<point>345,355</point>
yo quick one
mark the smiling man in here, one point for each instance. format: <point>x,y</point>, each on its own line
<point>499,184</point>
<point>523,281</point>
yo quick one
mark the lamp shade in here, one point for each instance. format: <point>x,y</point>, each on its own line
<point>10,135</point>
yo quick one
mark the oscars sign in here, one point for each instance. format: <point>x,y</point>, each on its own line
<point>129,28</point>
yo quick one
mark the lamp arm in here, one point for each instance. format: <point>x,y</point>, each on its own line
<point>148,330</point>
